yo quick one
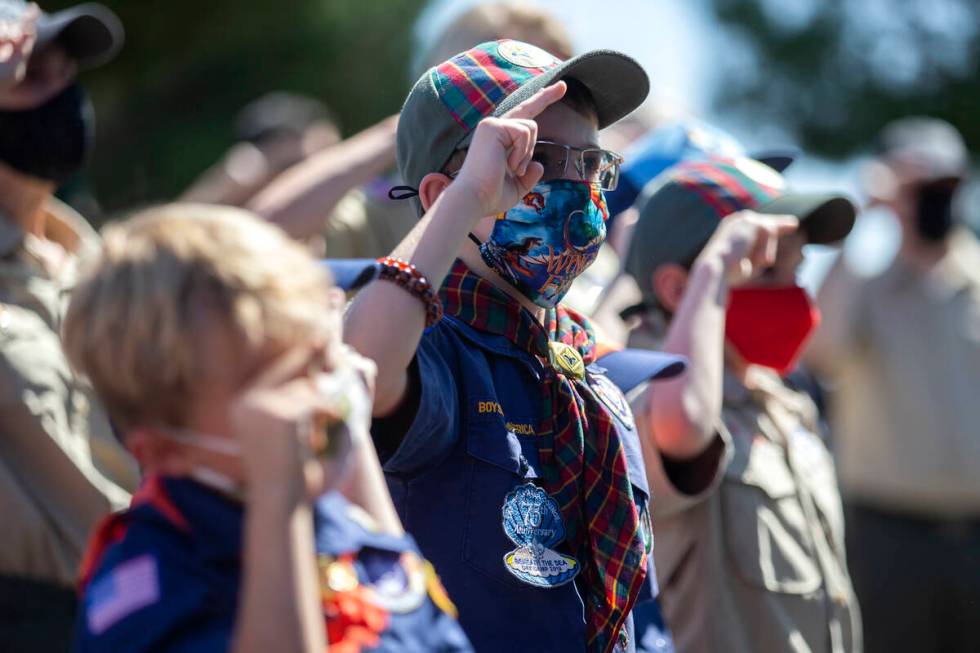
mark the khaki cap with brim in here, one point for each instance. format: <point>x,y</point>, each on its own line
<point>680,210</point>
<point>448,101</point>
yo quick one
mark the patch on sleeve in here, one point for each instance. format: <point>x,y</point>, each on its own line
<point>613,399</point>
<point>131,586</point>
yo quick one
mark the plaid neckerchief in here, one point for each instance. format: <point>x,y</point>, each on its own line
<point>582,456</point>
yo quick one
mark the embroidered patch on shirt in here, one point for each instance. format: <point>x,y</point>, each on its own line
<point>398,580</point>
<point>521,429</point>
<point>129,587</point>
<point>613,399</point>
<point>534,523</point>
<point>484,407</point>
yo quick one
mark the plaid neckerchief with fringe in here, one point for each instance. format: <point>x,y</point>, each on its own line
<point>583,460</point>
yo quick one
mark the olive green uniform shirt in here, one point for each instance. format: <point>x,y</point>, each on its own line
<point>364,226</point>
<point>61,469</point>
<point>750,558</point>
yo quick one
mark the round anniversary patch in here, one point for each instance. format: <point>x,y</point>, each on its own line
<point>526,55</point>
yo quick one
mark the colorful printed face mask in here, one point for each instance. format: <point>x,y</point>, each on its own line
<point>547,240</point>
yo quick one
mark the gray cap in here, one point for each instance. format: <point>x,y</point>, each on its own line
<point>680,210</point>
<point>449,100</point>
<point>928,148</point>
<point>91,33</point>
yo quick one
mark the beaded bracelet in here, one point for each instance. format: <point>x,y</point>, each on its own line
<point>407,276</point>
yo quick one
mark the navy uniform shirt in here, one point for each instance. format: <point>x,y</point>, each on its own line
<point>463,441</point>
<point>165,576</point>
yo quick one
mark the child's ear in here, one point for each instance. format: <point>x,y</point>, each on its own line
<point>669,282</point>
<point>431,188</point>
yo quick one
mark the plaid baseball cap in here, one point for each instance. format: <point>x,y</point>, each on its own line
<point>449,100</point>
<point>91,33</point>
<point>668,145</point>
<point>680,210</point>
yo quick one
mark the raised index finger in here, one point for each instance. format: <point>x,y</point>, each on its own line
<point>783,224</point>
<point>534,105</point>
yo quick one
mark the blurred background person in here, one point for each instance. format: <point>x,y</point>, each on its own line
<point>747,519</point>
<point>491,21</point>
<point>307,198</point>
<point>903,352</point>
<point>60,467</point>
<point>273,133</point>
<point>293,141</point>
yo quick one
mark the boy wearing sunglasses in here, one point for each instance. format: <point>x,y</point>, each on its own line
<point>510,455</point>
<point>214,342</point>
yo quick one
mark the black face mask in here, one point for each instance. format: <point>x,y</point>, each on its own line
<point>934,212</point>
<point>52,141</point>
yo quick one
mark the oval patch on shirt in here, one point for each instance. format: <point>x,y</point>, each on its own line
<point>533,521</point>
<point>613,399</point>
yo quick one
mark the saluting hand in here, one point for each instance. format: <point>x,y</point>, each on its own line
<point>281,421</point>
<point>746,243</point>
<point>17,39</point>
<point>499,169</point>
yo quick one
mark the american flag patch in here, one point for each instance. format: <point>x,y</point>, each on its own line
<point>132,585</point>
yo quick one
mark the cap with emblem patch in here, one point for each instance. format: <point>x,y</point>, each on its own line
<point>449,100</point>
<point>684,206</point>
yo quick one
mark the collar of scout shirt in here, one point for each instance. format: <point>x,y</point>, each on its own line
<point>762,385</point>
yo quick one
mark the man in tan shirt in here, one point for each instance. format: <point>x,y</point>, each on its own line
<point>748,525</point>
<point>903,353</point>
<point>61,470</point>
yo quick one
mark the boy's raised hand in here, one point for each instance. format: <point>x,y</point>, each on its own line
<point>16,44</point>
<point>746,242</point>
<point>499,169</point>
<point>275,419</point>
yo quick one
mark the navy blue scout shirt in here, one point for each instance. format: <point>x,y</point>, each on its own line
<point>167,571</point>
<point>453,455</point>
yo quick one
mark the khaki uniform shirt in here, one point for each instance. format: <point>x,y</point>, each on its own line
<point>61,469</point>
<point>752,560</point>
<point>367,226</point>
<point>906,411</point>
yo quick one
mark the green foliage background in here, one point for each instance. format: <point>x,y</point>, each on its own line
<point>166,105</point>
<point>836,71</point>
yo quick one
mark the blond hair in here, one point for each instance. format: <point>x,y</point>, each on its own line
<point>137,321</point>
<point>500,20</point>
